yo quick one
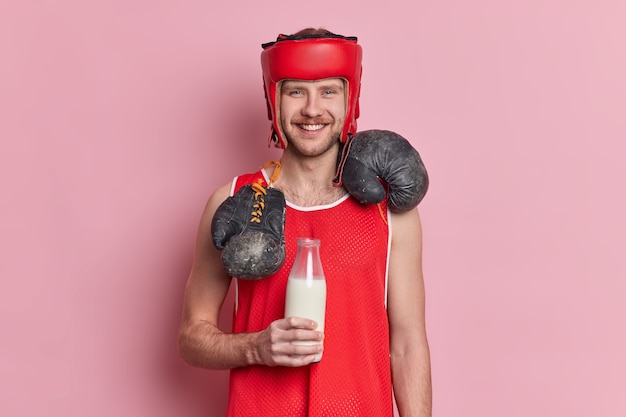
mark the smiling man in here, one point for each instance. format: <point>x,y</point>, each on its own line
<point>310,111</point>
<point>374,340</point>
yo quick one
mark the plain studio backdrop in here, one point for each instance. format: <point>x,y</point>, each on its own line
<point>119,118</point>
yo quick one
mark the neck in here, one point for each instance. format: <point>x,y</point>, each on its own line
<point>307,181</point>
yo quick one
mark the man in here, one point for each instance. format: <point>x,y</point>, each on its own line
<point>375,335</point>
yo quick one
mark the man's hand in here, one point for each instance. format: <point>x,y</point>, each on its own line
<point>275,347</point>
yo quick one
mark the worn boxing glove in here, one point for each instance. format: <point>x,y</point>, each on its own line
<point>381,154</point>
<point>249,227</point>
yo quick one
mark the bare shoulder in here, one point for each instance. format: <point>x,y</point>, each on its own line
<point>207,284</point>
<point>406,226</point>
<point>217,198</point>
<point>206,255</point>
<point>406,286</point>
<point>204,228</point>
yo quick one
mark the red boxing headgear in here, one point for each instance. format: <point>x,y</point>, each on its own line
<point>311,57</point>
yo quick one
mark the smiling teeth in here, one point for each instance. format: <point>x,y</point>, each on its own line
<point>312,127</point>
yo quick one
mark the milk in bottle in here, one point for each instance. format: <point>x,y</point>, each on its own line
<point>306,286</point>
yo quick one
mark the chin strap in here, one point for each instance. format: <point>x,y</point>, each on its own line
<point>274,140</point>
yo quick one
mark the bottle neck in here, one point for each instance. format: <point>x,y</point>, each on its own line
<point>307,264</point>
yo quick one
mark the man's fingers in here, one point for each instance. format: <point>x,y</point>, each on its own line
<point>289,354</point>
<point>293,341</point>
<point>296,323</point>
<point>295,334</point>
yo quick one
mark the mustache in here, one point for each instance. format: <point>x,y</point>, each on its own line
<point>313,121</point>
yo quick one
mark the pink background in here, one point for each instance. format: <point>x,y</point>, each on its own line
<point>120,117</point>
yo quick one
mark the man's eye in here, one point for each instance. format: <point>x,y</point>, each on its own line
<point>295,93</point>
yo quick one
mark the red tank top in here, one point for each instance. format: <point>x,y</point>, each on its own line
<point>353,378</point>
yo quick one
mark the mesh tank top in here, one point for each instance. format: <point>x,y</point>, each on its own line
<point>353,378</point>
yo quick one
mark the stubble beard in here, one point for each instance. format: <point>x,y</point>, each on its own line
<point>297,147</point>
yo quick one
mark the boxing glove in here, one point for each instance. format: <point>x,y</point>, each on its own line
<point>249,228</point>
<point>374,155</point>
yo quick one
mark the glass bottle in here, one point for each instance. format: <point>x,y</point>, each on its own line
<point>306,286</point>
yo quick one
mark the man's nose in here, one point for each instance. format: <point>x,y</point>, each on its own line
<point>313,107</point>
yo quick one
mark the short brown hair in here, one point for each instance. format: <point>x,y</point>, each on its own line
<point>313,32</point>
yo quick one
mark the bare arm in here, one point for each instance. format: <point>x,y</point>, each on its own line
<point>410,356</point>
<point>203,344</point>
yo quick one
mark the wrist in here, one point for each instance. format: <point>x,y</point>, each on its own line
<point>251,349</point>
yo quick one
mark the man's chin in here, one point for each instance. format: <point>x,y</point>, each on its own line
<point>322,135</point>
<point>310,150</point>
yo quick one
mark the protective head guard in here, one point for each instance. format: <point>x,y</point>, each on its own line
<point>311,57</point>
